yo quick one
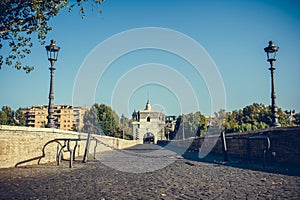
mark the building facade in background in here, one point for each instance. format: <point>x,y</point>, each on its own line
<point>66,117</point>
<point>148,125</point>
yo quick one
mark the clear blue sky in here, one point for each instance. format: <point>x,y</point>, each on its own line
<point>232,32</point>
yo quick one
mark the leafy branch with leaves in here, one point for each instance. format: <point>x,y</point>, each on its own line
<point>19,19</point>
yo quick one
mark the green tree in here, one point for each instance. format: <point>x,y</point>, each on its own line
<point>283,118</point>
<point>257,116</point>
<point>202,128</point>
<point>101,119</point>
<point>108,119</point>
<point>126,125</point>
<point>7,116</point>
<point>19,19</point>
<point>91,122</point>
<point>297,119</point>
<point>219,119</point>
<point>20,119</point>
<point>253,117</point>
<point>3,118</point>
<point>189,125</point>
<point>233,121</point>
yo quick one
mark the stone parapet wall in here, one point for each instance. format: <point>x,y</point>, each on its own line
<point>26,145</point>
<point>284,145</point>
<point>105,143</point>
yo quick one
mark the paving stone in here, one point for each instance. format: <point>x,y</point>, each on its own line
<point>180,179</point>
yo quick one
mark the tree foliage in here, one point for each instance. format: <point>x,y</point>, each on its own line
<point>253,117</point>
<point>219,119</point>
<point>101,119</point>
<point>297,119</point>
<point>10,117</point>
<point>19,19</point>
<point>125,124</point>
<point>20,119</point>
<point>189,125</point>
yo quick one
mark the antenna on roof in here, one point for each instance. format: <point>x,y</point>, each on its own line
<point>148,96</point>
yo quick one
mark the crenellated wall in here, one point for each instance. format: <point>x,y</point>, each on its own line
<point>26,145</point>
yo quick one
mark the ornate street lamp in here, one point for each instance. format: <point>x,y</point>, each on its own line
<point>52,52</point>
<point>271,55</point>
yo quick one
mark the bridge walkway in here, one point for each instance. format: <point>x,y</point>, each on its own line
<point>180,179</point>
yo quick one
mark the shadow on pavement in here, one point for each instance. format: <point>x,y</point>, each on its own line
<point>256,165</point>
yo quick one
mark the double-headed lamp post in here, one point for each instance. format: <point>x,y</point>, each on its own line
<point>52,53</point>
<point>271,55</point>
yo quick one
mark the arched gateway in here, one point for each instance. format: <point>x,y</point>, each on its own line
<point>148,138</point>
<point>148,125</point>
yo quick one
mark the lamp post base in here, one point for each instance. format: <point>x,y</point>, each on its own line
<point>276,124</point>
<point>50,126</point>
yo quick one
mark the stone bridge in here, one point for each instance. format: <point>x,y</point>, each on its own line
<point>119,175</point>
<point>26,145</point>
<point>127,170</point>
<point>21,146</point>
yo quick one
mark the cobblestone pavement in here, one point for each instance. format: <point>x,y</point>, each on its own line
<point>181,179</point>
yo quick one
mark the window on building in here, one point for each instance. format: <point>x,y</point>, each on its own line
<point>148,119</point>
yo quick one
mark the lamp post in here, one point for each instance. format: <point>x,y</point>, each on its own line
<point>122,121</point>
<point>271,58</point>
<point>52,53</point>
